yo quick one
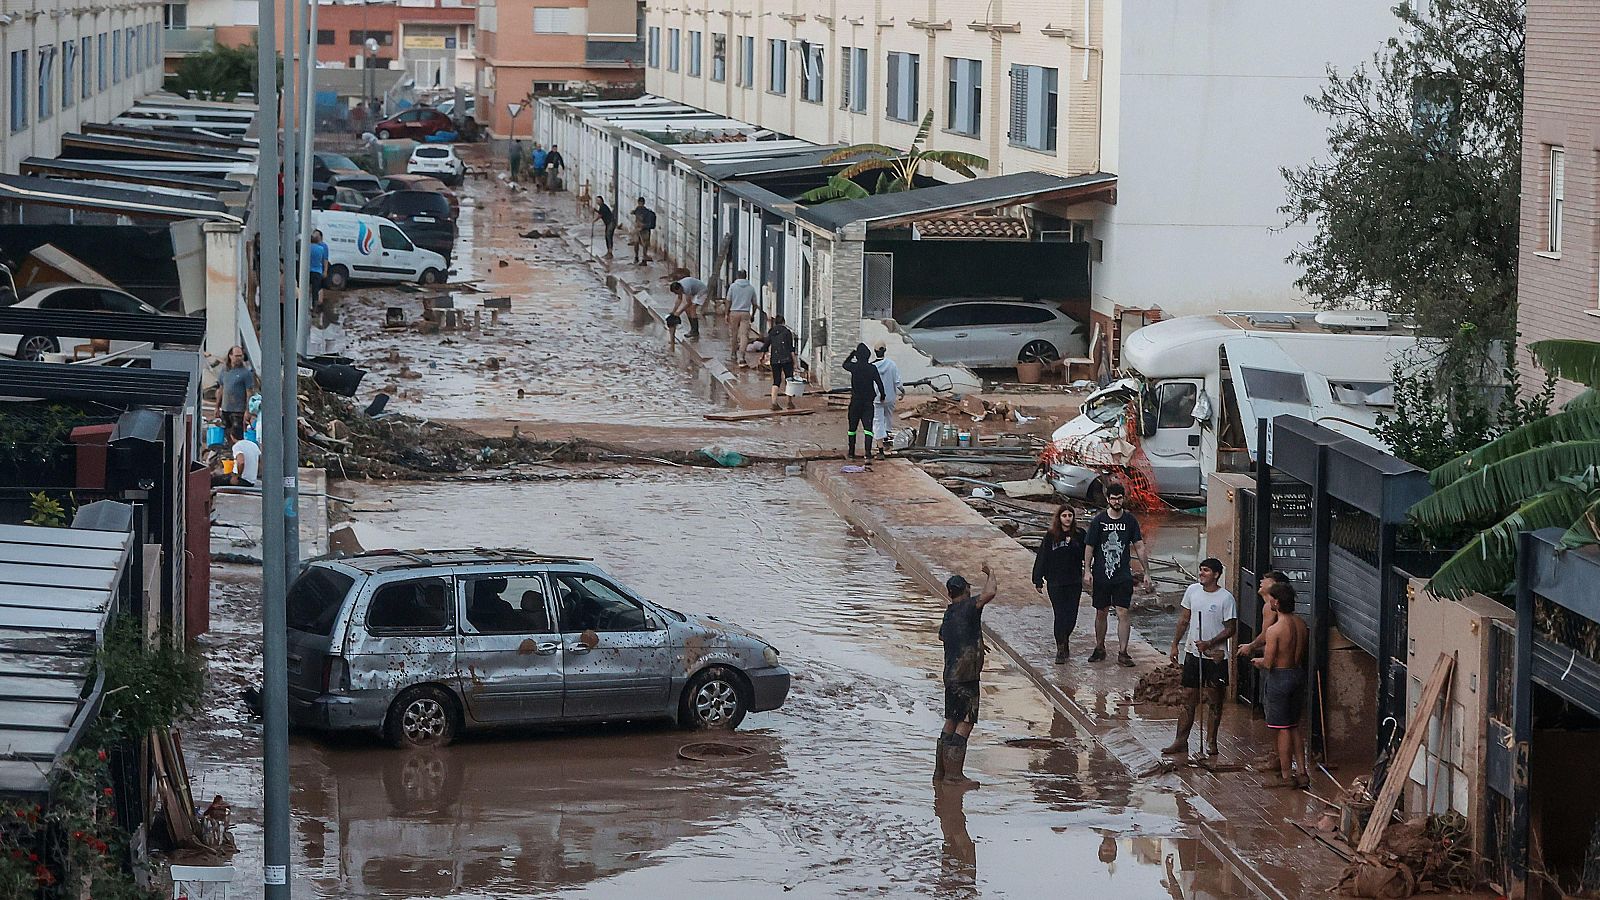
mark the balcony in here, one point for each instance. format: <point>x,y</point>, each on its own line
<point>188,41</point>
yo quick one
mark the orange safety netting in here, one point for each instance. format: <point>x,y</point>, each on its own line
<point>1093,451</point>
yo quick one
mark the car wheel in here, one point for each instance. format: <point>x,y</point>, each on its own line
<point>430,276</point>
<point>715,698</point>
<point>421,717</point>
<point>338,278</point>
<point>33,347</point>
<point>1039,352</point>
<point>383,134</point>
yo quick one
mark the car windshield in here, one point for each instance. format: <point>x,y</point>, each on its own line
<point>433,152</point>
<point>1107,409</point>
<point>335,161</point>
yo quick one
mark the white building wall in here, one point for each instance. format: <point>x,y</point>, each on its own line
<point>1206,107</point>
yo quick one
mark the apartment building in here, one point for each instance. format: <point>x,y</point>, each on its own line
<point>70,64</point>
<point>542,47</point>
<point>1194,107</point>
<point>1558,267</point>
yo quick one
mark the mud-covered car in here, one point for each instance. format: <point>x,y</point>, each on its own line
<point>419,646</point>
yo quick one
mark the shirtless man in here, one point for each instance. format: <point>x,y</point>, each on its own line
<point>1267,762</point>
<point>1283,665</point>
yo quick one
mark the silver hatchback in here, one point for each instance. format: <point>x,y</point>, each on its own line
<point>419,646</point>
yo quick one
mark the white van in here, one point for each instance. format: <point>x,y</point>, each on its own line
<point>371,248</point>
<point>1195,386</point>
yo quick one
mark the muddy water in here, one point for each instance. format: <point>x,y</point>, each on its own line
<point>835,801</point>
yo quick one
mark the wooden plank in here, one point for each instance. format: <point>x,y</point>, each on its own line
<point>1400,767</point>
<point>747,415</point>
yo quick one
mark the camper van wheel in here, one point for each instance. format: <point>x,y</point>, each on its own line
<point>33,347</point>
<point>430,276</point>
<point>338,278</point>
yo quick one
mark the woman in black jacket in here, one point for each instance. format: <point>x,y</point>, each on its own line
<point>1058,563</point>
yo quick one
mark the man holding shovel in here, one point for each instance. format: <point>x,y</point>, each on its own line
<point>1211,610</point>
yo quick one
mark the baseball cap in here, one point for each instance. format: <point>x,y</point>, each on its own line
<point>956,585</point>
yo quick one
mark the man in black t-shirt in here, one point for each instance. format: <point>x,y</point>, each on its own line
<point>644,222</point>
<point>780,343</point>
<point>962,635</point>
<point>1114,537</point>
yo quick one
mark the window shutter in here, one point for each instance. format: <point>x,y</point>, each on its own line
<point>912,83</point>
<point>1019,104</point>
<point>893,93</point>
<point>845,59</point>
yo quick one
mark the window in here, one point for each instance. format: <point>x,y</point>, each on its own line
<point>777,65</point>
<point>176,15</point>
<point>116,58</point>
<point>384,38</point>
<point>1272,385</point>
<point>1558,196</point>
<point>694,54</point>
<point>551,20</point>
<point>901,90</point>
<point>47,82</point>
<point>324,37</point>
<point>19,90</point>
<point>131,46</point>
<point>1033,107</point>
<point>811,69</point>
<point>674,43</point>
<point>948,317</point>
<point>315,599</point>
<point>853,79</point>
<point>652,51</point>
<point>423,606</point>
<point>508,604</point>
<point>393,238</point>
<point>69,71</point>
<point>586,603</point>
<point>747,62</point>
<point>1175,404</point>
<point>719,57</point>
<point>100,51</point>
<point>84,51</point>
<point>964,106</point>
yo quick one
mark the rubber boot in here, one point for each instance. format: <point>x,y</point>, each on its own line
<point>1061,653</point>
<point>955,760</point>
<point>938,760</point>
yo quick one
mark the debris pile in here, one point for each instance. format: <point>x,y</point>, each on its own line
<point>1160,687</point>
<point>1422,855</point>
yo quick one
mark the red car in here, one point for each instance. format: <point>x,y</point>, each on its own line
<point>415,123</point>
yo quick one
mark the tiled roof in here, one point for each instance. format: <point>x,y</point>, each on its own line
<point>993,227</point>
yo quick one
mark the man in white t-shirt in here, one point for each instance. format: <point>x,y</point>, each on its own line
<point>1214,616</point>
<point>246,463</point>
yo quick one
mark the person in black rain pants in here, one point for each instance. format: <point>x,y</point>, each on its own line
<point>1058,564</point>
<point>866,389</point>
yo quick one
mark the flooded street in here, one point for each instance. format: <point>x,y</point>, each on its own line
<point>836,799</point>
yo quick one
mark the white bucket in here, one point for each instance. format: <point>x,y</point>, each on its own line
<point>795,387</point>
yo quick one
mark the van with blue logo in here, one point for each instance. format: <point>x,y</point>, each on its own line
<point>372,248</point>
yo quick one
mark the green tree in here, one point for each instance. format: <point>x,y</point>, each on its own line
<point>222,73</point>
<point>1416,202</point>
<point>1544,474</point>
<point>897,171</point>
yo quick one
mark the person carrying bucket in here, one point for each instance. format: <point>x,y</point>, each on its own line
<point>780,343</point>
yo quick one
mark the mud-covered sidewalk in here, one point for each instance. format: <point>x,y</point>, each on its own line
<point>933,534</point>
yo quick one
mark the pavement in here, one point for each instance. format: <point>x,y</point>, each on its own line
<point>933,534</point>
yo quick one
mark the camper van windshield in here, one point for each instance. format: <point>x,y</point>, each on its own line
<point>1108,409</point>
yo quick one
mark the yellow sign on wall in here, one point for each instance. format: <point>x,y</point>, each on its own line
<point>424,42</point>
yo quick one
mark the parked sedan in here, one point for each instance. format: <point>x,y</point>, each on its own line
<point>415,123</point>
<point>423,215</point>
<point>421,645</point>
<point>77,298</point>
<point>438,160</point>
<point>331,171</point>
<point>994,331</point>
<point>422,183</point>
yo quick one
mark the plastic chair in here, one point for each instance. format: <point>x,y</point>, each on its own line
<point>200,882</point>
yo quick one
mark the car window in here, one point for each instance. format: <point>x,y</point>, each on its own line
<point>1025,315</point>
<point>422,606</point>
<point>315,599</point>
<point>1107,409</point>
<point>75,299</point>
<point>393,238</point>
<point>115,301</point>
<point>948,317</point>
<point>508,604</point>
<point>432,152</point>
<point>585,603</point>
<point>335,161</point>
<point>1002,314</point>
<point>410,115</point>
<point>1175,404</point>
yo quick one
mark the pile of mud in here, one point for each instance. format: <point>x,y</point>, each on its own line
<point>337,435</point>
<point>1160,687</point>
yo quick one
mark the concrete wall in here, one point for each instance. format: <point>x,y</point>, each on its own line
<point>1558,291</point>
<point>1205,105</point>
<point>51,24</point>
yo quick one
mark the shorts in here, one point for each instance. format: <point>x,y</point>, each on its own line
<point>961,701</point>
<point>1202,671</point>
<point>1284,693</point>
<point>1108,595</point>
<point>641,238</point>
<point>781,372</point>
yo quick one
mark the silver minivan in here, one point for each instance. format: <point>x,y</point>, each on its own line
<point>421,645</point>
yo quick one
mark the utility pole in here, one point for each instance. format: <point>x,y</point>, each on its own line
<point>274,586</point>
<point>290,247</point>
<point>308,133</point>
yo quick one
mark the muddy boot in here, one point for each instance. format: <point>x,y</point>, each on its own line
<point>791,403</point>
<point>938,760</point>
<point>1098,654</point>
<point>955,760</point>
<point>1061,653</point>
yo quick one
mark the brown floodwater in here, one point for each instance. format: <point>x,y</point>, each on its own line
<point>836,798</point>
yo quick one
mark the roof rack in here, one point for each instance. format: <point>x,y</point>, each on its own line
<point>463,556</point>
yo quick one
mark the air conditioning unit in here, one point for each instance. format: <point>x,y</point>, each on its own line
<point>1353,319</point>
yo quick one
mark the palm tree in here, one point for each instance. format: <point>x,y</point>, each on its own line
<point>896,170</point>
<point>1545,474</point>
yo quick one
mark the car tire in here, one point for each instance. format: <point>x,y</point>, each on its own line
<point>423,716</point>
<point>1039,351</point>
<point>430,275</point>
<point>1096,494</point>
<point>33,347</point>
<point>383,134</point>
<point>338,278</point>
<point>714,698</point>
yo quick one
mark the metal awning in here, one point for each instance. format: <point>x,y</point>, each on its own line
<point>131,148</point>
<point>112,385</point>
<point>78,170</point>
<point>884,210</point>
<point>58,589</point>
<point>100,198</point>
<point>761,161</point>
<point>184,331</point>
<point>166,134</point>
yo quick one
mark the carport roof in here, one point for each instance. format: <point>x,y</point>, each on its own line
<point>80,170</point>
<point>973,194</point>
<point>770,164</point>
<point>81,195</point>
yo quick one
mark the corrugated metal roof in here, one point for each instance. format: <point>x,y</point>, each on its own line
<point>77,169</point>
<point>133,148</point>
<point>183,331</point>
<point>975,193</point>
<point>53,614</point>
<point>114,385</point>
<point>80,195</point>
<point>156,132</point>
<point>770,164</point>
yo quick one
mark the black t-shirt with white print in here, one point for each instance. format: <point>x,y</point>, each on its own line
<point>1113,540</point>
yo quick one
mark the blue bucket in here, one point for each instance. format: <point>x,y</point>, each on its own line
<point>250,435</point>
<point>215,436</point>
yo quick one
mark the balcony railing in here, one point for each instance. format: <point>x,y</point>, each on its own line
<point>184,41</point>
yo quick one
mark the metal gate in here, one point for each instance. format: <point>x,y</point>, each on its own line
<point>877,288</point>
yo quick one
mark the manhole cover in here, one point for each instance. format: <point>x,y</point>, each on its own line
<point>715,751</point>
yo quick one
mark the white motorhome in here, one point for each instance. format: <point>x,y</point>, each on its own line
<point>1195,386</point>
